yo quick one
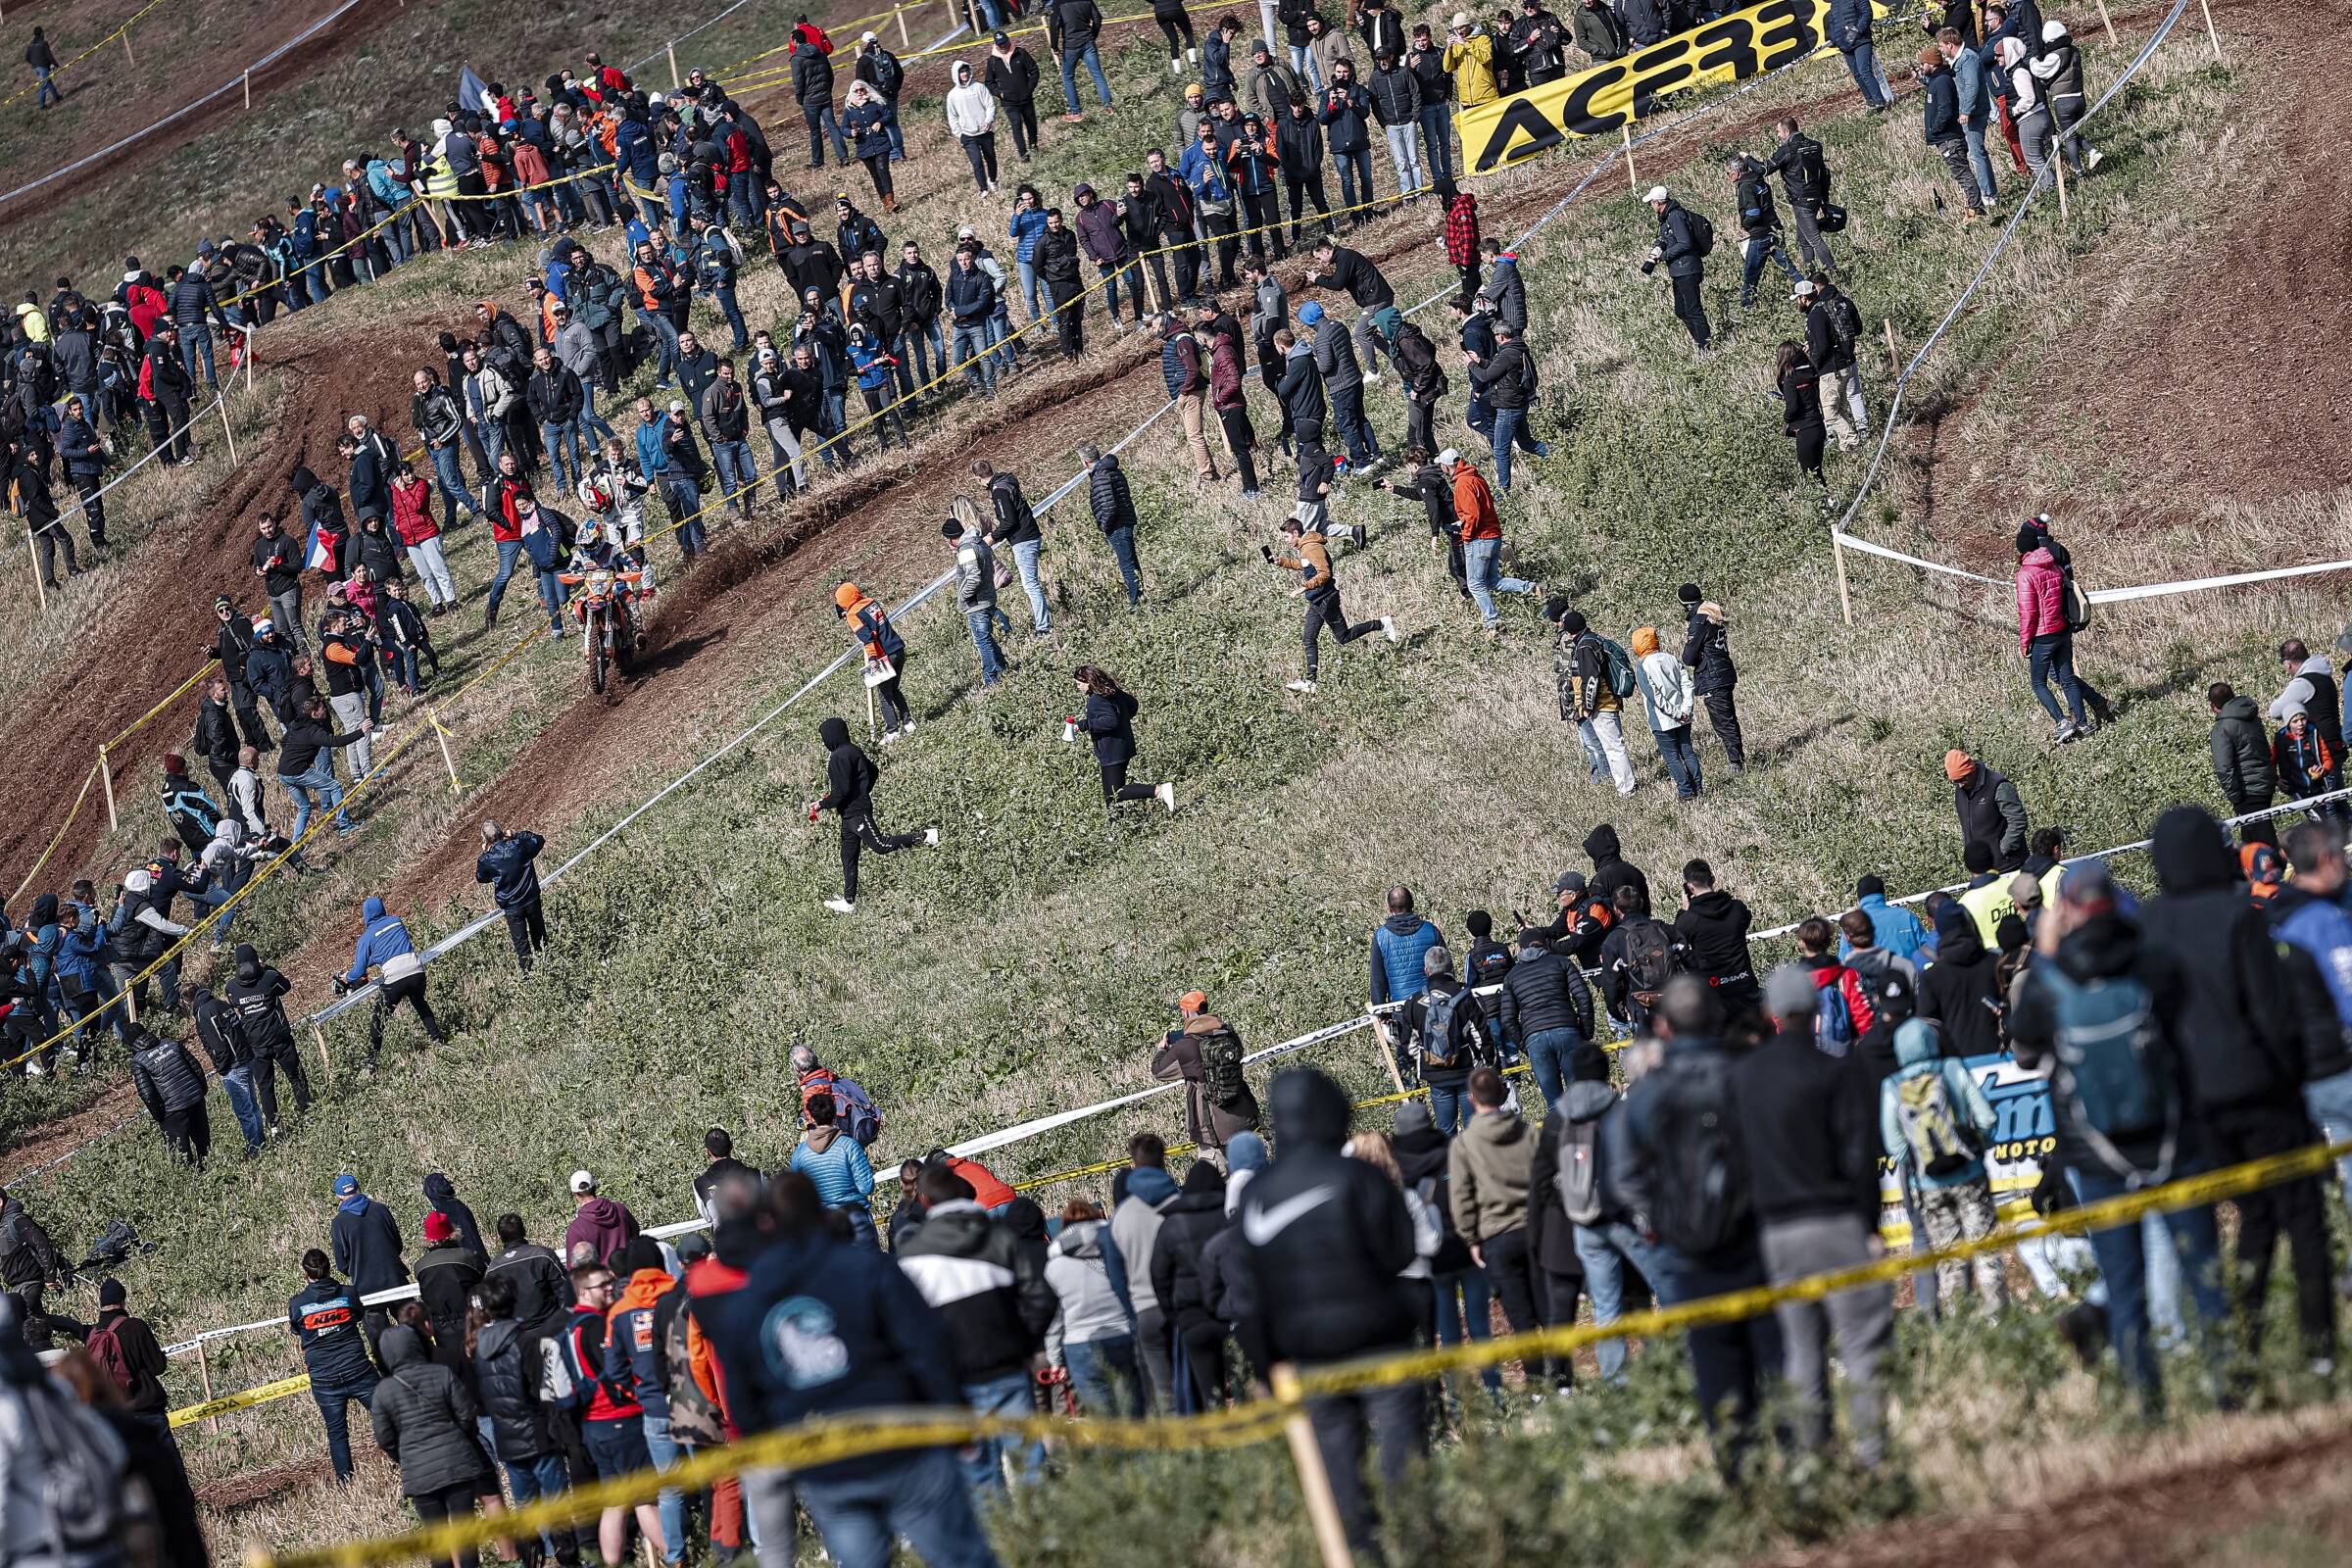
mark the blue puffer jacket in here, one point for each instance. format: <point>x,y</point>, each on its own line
<point>386,937</point>
<point>1023,231</point>
<point>1398,947</point>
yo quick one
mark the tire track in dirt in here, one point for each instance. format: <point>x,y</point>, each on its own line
<point>2227,382</point>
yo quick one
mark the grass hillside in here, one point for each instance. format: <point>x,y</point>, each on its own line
<point>1027,964</point>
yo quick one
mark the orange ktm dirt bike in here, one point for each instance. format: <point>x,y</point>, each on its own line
<point>607,623</point>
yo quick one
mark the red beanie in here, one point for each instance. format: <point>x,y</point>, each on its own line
<point>174,763</point>
<point>439,1227</point>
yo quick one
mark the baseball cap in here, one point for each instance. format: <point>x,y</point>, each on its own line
<point>1193,1002</point>
<point>1568,882</point>
<point>677,405</point>
<point>1001,39</point>
<point>582,1182</point>
<point>867,36</point>
<point>1657,193</point>
<point>1804,289</point>
<point>346,1185</point>
<point>1449,458</point>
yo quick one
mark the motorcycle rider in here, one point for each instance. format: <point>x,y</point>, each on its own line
<point>595,550</point>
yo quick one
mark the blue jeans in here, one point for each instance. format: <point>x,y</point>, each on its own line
<point>737,473</point>
<point>1863,62</point>
<point>928,346</point>
<point>1680,758</point>
<point>1465,1303</point>
<point>335,1402</point>
<point>45,90</point>
<point>1347,413</point>
<point>920,1496</point>
<point>2053,654</point>
<point>984,638</point>
<point>1024,561</point>
<point>983,1468</point>
<point>1069,74</point>
<point>1114,275</point>
<point>1122,548</point>
<point>1755,253</point>
<point>1355,176</point>
<point>665,340</point>
<point>508,549</point>
<point>667,1451</point>
<point>2123,1254</point>
<point>1303,63</point>
<point>1029,287</point>
<point>238,1081</point>
<point>592,424</point>
<point>2330,1102</point>
<point>1605,1251</point>
<point>558,437</point>
<point>1000,334</point>
<point>1978,161</point>
<point>1551,1054</point>
<point>724,296</point>
<point>1445,1106</point>
<point>195,345</point>
<point>1478,565</point>
<point>1091,1362</point>
<point>319,781</point>
<point>542,1474</point>
<point>821,124</point>
<point>1437,141</point>
<point>972,357</point>
<point>684,498</point>
<point>454,493</point>
<point>1510,429</point>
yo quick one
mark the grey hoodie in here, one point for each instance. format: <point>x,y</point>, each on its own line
<point>1078,1270</point>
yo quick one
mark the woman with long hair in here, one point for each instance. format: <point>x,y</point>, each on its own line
<point>1800,406</point>
<point>1109,719</point>
<point>1375,1150</point>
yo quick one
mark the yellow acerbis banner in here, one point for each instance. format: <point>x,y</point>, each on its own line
<point>1594,102</point>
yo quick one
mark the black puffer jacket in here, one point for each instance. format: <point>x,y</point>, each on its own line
<point>446,1274</point>
<point>166,1078</point>
<point>1186,1228</point>
<point>1107,495</point>
<point>424,1419</point>
<point>1707,653</point>
<point>508,1382</point>
<point>2239,1025</point>
<point>1545,991</point>
<point>1324,1239</point>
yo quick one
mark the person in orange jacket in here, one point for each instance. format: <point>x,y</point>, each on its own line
<point>1482,539</point>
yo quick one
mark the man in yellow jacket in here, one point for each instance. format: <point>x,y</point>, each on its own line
<point>1470,57</point>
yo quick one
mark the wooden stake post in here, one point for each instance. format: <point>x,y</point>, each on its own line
<point>1893,354</point>
<point>249,89</point>
<point>1322,1508</point>
<point>327,1065</point>
<point>106,775</point>
<point>1846,601</point>
<point>127,54</point>
<point>2106,21</point>
<point>39,587</point>
<point>2213,37</point>
<point>204,1373</point>
<point>442,736</point>
<point>905,42</point>
<point>1387,1052</point>
<point>2058,165</point>
<point>226,433</point>
<point>671,49</point>
<point>1627,132</point>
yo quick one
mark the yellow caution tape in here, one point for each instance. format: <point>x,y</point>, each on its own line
<point>177,692</point>
<point>87,779</point>
<point>880,1432</point>
<point>238,1401</point>
<point>64,65</point>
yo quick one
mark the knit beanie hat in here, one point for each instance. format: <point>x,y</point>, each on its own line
<point>1958,765</point>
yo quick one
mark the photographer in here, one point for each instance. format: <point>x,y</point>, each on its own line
<point>1683,244</point>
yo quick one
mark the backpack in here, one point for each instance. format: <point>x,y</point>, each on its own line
<point>562,1386</point>
<point>1440,1013</point>
<point>1698,1201</point>
<point>1579,1176</point>
<point>1649,960</point>
<point>1940,1145</point>
<point>856,1112</point>
<point>2114,1077</point>
<point>1846,322</point>
<point>2072,603</point>
<point>1620,667</point>
<point>1221,1068</point>
<point>1833,1021</point>
<point>1703,232</point>
<point>106,1349</point>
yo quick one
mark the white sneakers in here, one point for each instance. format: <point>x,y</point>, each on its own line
<point>889,735</point>
<point>2093,161</point>
<point>1306,686</point>
<point>1388,628</point>
<point>931,838</point>
<point>841,906</point>
<point>1168,796</point>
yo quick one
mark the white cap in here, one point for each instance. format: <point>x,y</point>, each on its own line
<point>1804,290</point>
<point>1461,18</point>
<point>1449,458</point>
<point>582,1182</point>
<point>867,38</point>
<point>655,100</point>
<point>1657,193</point>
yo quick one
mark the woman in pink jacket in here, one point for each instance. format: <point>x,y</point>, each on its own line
<point>2045,639</point>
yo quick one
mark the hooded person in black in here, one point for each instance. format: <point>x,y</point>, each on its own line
<point>445,1199</point>
<point>850,778</point>
<point>2244,1034</point>
<point>253,990</point>
<point>1179,1277</point>
<point>1324,1241</point>
<point>1960,991</point>
<point>1610,868</point>
<point>1713,929</point>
